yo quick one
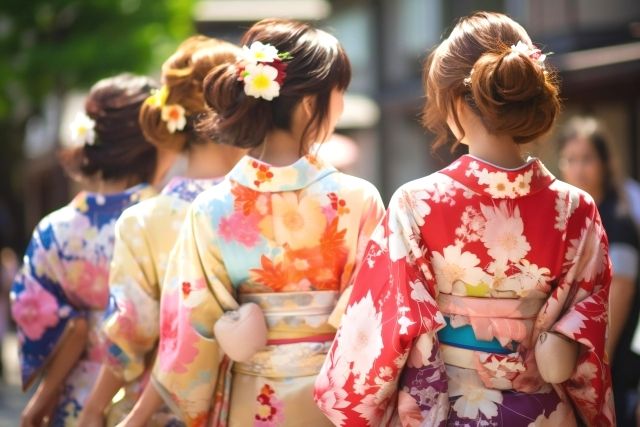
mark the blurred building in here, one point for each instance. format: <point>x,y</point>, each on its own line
<point>596,45</point>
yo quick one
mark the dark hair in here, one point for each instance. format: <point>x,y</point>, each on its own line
<point>591,130</point>
<point>508,90</point>
<point>120,150</point>
<point>319,65</point>
<point>182,76</point>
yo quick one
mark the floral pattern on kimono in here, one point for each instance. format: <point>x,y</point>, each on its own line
<point>281,235</point>
<point>468,267</point>
<point>65,276</point>
<point>145,234</point>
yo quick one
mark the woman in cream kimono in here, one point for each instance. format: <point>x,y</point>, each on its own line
<point>146,233</point>
<point>284,231</point>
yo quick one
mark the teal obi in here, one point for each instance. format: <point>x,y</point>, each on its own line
<point>464,337</point>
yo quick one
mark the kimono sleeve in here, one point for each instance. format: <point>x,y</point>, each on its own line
<point>39,305</point>
<point>131,321</point>
<point>195,293</point>
<point>392,303</point>
<point>372,214</point>
<point>583,292</point>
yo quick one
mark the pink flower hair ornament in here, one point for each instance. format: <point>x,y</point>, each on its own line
<point>531,51</point>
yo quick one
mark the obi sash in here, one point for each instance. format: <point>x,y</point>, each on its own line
<point>299,335</point>
<point>488,325</point>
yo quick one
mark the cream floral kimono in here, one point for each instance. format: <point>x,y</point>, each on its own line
<point>145,235</point>
<point>287,238</point>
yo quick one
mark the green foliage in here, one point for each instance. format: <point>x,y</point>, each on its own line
<point>56,45</point>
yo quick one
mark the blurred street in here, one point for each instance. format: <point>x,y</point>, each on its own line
<point>11,398</point>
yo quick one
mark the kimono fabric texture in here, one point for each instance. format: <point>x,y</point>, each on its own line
<point>145,235</point>
<point>287,238</point>
<point>65,276</point>
<point>468,267</point>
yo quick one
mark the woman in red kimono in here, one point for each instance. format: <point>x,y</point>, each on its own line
<point>475,264</point>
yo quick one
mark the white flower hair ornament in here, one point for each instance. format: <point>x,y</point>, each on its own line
<point>263,70</point>
<point>174,115</point>
<point>531,51</point>
<point>83,129</point>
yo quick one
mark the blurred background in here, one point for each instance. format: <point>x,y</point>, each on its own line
<point>52,51</point>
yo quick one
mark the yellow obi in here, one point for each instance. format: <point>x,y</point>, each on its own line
<point>299,333</point>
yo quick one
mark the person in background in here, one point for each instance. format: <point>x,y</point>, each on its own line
<point>146,232</point>
<point>59,296</point>
<point>7,272</point>
<point>587,161</point>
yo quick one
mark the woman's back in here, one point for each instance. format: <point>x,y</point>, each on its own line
<point>65,274</point>
<point>292,228</point>
<point>466,252</point>
<point>286,238</point>
<point>504,272</point>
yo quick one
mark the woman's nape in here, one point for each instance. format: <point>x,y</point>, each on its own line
<point>500,150</point>
<point>283,147</point>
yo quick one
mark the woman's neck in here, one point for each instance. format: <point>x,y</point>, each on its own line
<point>165,160</point>
<point>280,148</point>
<point>210,160</point>
<point>505,154</point>
<point>499,150</point>
<point>100,186</point>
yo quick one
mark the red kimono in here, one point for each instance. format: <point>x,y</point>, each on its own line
<point>469,266</point>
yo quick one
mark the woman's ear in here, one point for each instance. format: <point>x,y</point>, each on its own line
<point>455,127</point>
<point>308,104</point>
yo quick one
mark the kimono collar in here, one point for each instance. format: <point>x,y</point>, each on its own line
<point>188,189</point>
<point>261,176</point>
<point>85,200</point>
<point>497,182</point>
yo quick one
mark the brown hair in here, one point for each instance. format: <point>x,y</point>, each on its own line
<point>120,150</point>
<point>510,92</point>
<point>319,65</point>
<point>182,75</point>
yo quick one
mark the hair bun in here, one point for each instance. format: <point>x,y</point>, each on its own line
<point>235,119</point>
<point>222,91</point>
<point>317,65</point>
<point>514,95</point>
<point>183,74</point>
<point>155,129</point>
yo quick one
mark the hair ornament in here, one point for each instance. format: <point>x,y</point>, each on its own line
<point>263,70</point>
<point>174,115</point>
<point>83,129</point>
<point>532,52</point>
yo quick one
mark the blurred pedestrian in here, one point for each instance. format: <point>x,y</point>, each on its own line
<point>7,271</point>
<point>587,161</point>
<point>146,232</point>
<point>61,292</point>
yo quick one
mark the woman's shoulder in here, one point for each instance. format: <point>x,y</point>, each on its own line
<point>353,183</point>
<point>433,182</point>
<point>578,199</point>
<point>154,210</point>
<point>63,217</point>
